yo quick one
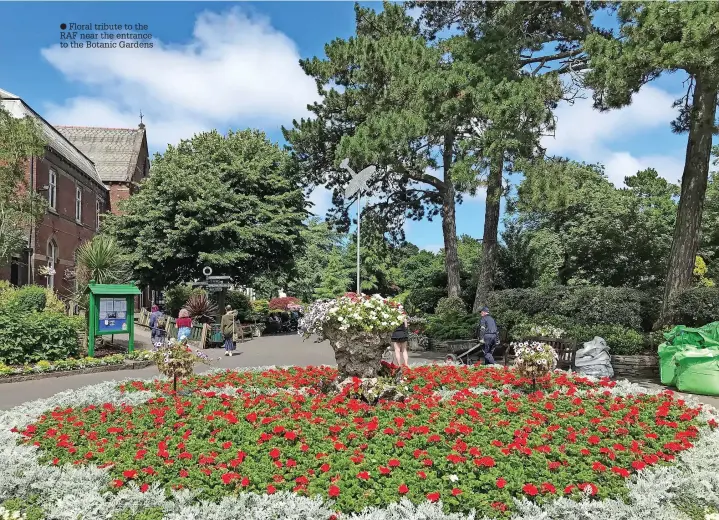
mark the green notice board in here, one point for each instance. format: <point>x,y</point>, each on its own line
<point>112,311</point>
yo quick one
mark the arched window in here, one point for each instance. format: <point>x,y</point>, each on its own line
<point>51,260</point>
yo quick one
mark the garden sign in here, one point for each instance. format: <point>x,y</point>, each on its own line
<point>112,311</point>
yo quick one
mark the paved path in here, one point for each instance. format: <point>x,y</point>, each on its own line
<point>277,350</point>
<point>265,351</point>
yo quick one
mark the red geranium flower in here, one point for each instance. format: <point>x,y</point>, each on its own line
<point>363,475</point>
<point>334,491</point>
<point>403,489</point>
<point>501,482</point>
<point>433,497</point>
<point>530,489</point>
<point>456,491</point>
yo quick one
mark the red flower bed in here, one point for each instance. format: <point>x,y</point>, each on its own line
<point>469,451</point>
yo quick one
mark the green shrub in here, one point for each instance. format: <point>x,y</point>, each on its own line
<point>30,298</point>
<point>261,307</point>
<point>587,305</point>
<point>513,322</point>
<point>240,302</point>
<point>37,336</point>
<point>696,307</point>
<point>452,326</point>
<point>450,305</point>
<point>52,302</point>
<point>176,298</point>
<point>424,299</point>
<point>621,340</point>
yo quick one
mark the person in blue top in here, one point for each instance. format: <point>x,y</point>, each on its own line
<point>157,325</point>
<point>488,332</point>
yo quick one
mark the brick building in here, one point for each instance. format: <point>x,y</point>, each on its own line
<point>120,156</point>
<point>76,198</point>
<point>122,160</point>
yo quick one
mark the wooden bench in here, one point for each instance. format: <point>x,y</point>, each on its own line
<point>566,351</point>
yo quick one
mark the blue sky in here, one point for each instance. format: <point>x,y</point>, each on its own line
<point>234,65</point>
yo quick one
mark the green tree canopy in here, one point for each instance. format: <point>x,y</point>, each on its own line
<point>320,240</point>
<point>577,228</point>
<point>654,38</point>
<point>20,140</point>
<point>232,202</point>
<point>397,102</point>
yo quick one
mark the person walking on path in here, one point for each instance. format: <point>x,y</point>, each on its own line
<point>400,339</point>
<point>488,332</point>
<point>157,325</point>
<point>227,325</point>
<point>184,325</point>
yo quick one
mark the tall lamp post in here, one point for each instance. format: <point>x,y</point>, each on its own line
<point>355,186</point>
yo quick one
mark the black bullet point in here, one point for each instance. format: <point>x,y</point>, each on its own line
<point>63,26</point>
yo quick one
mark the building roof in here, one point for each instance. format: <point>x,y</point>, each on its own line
<point>112,289</point>
<point>55,140</point>
<point>113,150</point>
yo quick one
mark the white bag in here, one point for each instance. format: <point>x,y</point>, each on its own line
<point>593,359</point>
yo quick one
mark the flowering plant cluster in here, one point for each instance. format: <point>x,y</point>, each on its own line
<point>175,359</point>
<point>352,313</point>
<point>534,359</point>
<point>547,331</point>
<point>42,367</point>
<point>464,436</point>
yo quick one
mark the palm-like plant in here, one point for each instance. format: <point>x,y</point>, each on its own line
<point>101,260</point>
<point>201,308</point>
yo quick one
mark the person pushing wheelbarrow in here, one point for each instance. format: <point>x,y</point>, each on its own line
<point>488,333</point>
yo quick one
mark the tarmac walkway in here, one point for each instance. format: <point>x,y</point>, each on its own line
<point>280,350</point>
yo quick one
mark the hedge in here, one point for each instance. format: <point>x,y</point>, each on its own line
<point>587,305</point>
<point>37,336</point>
<point>696,307</point>
<point>452,326</point>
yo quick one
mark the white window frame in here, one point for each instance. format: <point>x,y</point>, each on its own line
<point>98,207</point>
<point>51,261</point>
<point>52,189</point>
<point>78,202</point>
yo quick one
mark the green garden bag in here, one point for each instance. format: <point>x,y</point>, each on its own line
<point>697,371</point>
<point>679,339</point>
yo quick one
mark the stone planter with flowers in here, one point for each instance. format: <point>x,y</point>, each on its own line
<point>358,328</point>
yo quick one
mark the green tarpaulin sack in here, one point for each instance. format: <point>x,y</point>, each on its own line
<point>679,339</point>
<point>697,371</point>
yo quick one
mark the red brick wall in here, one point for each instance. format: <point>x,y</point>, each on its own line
<point>60,224</point>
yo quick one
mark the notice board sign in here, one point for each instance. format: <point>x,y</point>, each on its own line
<point>112,315</point>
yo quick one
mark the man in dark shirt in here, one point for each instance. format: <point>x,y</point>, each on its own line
<point>488,332</point>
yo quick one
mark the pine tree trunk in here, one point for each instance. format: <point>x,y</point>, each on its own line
<point>490,250</point>
<point>691,203</point>
<point>449,223</point>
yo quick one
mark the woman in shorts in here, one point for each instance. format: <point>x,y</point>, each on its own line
<point>400,340</point>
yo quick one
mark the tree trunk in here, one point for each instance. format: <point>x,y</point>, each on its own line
<point>490,251</point>
<point>691,202</point>
<point>449,222</point>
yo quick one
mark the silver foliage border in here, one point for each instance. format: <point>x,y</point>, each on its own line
<point>72,493</point>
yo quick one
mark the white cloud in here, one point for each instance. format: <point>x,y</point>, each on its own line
<point>237,71</point>
<point>321,197</point>
<point>585,134</point>
<point>621,164</point>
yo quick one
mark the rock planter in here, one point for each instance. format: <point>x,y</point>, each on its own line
<point>358,354</point>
